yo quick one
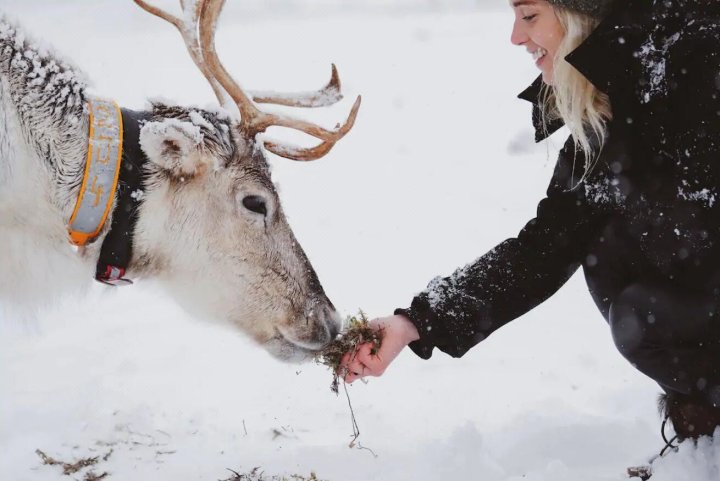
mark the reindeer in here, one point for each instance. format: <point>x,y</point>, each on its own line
<point>192,203</point>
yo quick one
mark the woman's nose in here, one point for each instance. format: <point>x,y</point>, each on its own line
<point>518,35</point>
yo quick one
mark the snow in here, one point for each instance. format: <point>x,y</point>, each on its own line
<point>197,119</point>
<point>176,129</point>
<point>653,61</point>
<point>430,177</point>
<point>605,191</point>
<point>704,195</point>
<point>137,194</point>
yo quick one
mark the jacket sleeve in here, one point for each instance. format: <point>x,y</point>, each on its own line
<point>456,312</point>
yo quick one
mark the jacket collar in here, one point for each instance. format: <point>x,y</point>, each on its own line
<point>533,94</point>
<point>604,58</point>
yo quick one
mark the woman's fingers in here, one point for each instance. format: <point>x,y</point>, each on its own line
<point>367,359</point>
<point>354,372</point>
<point>370,360</point>
<point>351,377</point>
<point>351,368</point>
<point>361,363</point>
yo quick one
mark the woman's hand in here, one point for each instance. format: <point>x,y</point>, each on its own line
<point>397,332</point>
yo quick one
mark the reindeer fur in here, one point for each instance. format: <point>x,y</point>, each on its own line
<point>216,257</point>
<point>43,144</point>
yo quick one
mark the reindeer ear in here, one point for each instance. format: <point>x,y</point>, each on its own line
<point>174,145</point>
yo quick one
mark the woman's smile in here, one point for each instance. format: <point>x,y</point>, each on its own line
<point>539,55</point>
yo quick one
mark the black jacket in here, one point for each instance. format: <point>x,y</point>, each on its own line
<point>649,210</point>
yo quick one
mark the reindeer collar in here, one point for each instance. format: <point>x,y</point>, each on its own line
<point>113,174</point>
<point>102,169</point>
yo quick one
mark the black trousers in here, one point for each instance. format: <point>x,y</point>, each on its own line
<point>672,337</point>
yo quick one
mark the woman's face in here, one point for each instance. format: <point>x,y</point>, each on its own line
<point>538,29</point>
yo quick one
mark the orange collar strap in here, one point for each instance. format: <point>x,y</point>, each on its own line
<point>102,169</point>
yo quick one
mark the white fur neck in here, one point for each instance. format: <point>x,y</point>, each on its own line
<point>43,144</point>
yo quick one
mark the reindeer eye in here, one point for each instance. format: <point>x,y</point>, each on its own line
<point>255,203</point>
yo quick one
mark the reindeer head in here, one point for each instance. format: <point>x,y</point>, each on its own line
<point>212,227</point>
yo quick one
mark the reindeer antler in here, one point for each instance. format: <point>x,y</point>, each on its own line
<point>198,33</point>
<point>189,32</point>
<point>328,95</point>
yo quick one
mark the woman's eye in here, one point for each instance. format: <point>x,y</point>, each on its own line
<point>528,18</point>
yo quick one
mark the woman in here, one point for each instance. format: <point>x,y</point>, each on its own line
<point>634,199</point>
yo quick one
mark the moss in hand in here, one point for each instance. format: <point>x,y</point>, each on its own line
<point>356,332</point>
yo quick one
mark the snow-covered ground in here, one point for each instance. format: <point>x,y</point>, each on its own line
<point>439,168</point>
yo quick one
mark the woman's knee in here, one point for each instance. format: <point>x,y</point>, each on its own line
<point>646,317</point>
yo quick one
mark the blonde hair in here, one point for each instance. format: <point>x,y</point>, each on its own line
<point>583,108</point>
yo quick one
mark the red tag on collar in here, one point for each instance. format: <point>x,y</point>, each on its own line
<point>113,276</point>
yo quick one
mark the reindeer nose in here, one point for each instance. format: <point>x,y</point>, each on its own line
<point>333,322</point>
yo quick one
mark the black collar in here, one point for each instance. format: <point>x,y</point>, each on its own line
<point>533,94</point>
<point>116,250</point>
<point>605,58</point>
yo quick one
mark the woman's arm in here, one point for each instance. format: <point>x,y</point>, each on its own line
<point>457,312</point>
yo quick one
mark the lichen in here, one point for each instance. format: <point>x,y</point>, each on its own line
<point>356,332</point>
